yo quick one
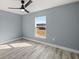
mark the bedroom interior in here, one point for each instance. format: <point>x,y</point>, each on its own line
<point>49,31</point>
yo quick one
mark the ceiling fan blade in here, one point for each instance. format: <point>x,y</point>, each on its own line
<point>28,3</point>
<point>13,8</point>
<point>26,11</point>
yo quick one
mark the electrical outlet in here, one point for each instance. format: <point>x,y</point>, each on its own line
<point>53,39</point>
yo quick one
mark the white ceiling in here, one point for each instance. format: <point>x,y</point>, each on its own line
<point>35,6</point>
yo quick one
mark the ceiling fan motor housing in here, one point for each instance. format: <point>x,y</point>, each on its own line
<point>22,1</point>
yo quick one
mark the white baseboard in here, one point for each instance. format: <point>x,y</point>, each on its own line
<point>53,45</point>
<point>10,40</point>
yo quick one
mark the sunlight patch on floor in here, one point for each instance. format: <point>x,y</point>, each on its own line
<point>20,44</point>
<point>4,47</point>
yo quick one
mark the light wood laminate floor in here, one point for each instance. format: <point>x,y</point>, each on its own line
<point>24,49</point>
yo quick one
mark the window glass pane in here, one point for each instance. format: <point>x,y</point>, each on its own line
<point>40,26</point>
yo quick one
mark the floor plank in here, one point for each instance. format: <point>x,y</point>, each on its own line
<point>24,49</point>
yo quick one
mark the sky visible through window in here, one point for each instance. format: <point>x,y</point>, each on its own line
<point>40,20</point>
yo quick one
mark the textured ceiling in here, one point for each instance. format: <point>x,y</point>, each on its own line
<point>37,5</point>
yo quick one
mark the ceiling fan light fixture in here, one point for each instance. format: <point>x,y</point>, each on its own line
<point>22,10</point>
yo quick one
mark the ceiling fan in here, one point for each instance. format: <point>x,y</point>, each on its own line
<point>23,6</point>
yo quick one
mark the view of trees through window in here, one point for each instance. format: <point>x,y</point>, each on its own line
<point>40,26</point>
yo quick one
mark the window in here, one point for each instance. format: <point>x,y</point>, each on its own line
<point>40,26</point>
